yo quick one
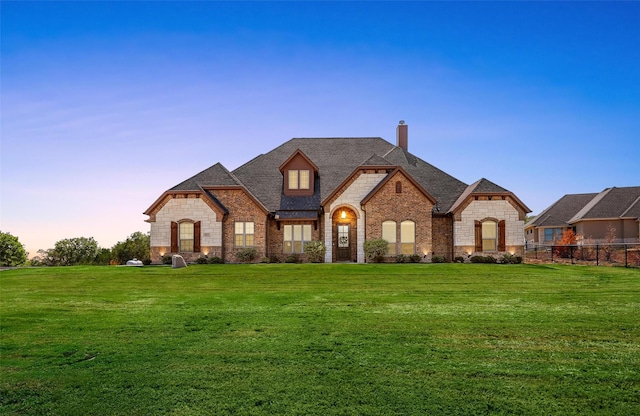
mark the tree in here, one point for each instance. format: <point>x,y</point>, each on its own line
<point>609,239</point>
<point>12,252</point>
<point>72,251</point>
<point>136,246</point>
<point>568,239</point>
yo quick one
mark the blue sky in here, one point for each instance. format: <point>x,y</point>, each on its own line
<point>105,105</point>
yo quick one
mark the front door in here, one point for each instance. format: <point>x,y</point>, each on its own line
<point>344,247</point>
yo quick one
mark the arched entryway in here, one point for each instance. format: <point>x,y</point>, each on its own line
<point>344,235</point>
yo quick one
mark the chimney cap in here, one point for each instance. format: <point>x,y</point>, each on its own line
<point>401,122</point>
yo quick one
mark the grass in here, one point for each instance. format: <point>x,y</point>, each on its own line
<point>324,339</point>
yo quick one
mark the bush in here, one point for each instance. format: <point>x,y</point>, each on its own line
<point>483,259</point>
<point>292,258</point>
<point>202,260</point>
<point>274,259</point>
<point>415,258</point>
<point>315,251</point>
<point>146,262</point>
<point>408,258</point>
<point>511,259</point>
<point>459,259</point>
<point>167,259</point>
<point>438,259</point>
<point>376,249</point>
<point>246,254</point>
<point>215,260</point>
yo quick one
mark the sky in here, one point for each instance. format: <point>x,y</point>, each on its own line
<point>106,105</point>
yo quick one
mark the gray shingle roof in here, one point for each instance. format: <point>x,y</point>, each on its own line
<point>611,203</point>
<point>442,186</point>
<point>560,213</point>
<point>216,175</point>
<point>336,159</point>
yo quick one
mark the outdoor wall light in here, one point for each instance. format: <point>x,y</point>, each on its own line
<point>343,214</point>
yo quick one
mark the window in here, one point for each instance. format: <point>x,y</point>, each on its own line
<point>295,236</point>
<point>298,179</point>
<point>408,237</point>
<point>552,234</point>
<point>389,234</point>
<point>489,236</point>
<point>398,187</point>
<point>186,237</point>
<point>244,234</point>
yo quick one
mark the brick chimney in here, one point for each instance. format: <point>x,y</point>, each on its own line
<point>402,136</point>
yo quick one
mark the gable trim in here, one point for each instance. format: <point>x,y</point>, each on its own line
<point>356,172</point>
<point>305,157</point>
<point>396,171</point>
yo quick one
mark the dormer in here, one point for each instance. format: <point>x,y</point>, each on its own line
<point>298,173</point>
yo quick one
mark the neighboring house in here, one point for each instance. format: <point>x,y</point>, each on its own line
<point>591,217</point>
<point>341,191</point>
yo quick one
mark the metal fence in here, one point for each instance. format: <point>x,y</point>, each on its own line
<point>626,255</point>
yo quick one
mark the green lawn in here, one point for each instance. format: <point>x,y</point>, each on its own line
<point>320,339</point>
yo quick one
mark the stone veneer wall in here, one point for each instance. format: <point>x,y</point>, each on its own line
<point>464,229</point>
<point>184,207</point>
<point>410,204</point>
<point>241,208</point>
<point>350,196</point>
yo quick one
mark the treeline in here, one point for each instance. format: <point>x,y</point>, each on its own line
<point>76,251</point>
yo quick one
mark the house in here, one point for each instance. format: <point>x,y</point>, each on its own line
<point>612,215</point>
<point>341,191</point>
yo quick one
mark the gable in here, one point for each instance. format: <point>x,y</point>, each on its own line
<point>298,175</point>
<point>398,184</point>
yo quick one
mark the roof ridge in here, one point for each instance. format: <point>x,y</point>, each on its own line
<point>589,206</point>
<point>631,206</point>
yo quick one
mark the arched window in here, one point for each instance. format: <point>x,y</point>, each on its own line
<point>186,236</point>
<point>408,237</point>
<point>389,234</point>
<point>489,236</point>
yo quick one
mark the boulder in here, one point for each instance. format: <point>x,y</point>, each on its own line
<point>134,262</point>
<point>177,261</point>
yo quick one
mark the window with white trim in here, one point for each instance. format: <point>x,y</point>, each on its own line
<point>408,237</point>
<point>244,234</point>
<point>298,179</point>
<point>186,236</point>
<point>295,236</point>
<point>489,236</point>
<point>389,234</point>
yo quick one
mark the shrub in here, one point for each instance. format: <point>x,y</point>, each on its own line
<point>215,260</point>
<point>511,259</point>
<point>376,249</point>
<point>483,259</point>
<point>146,262</point>
<point>202,260</point>
<point>292,258</point>
<point>415,258</point>
<point>274,259</point>
<point>315,251</point>
<point>246,254</point>
<point>459,259</point>
<point>167,259</point>
<point>401,258</point>
<point>438,259</point>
